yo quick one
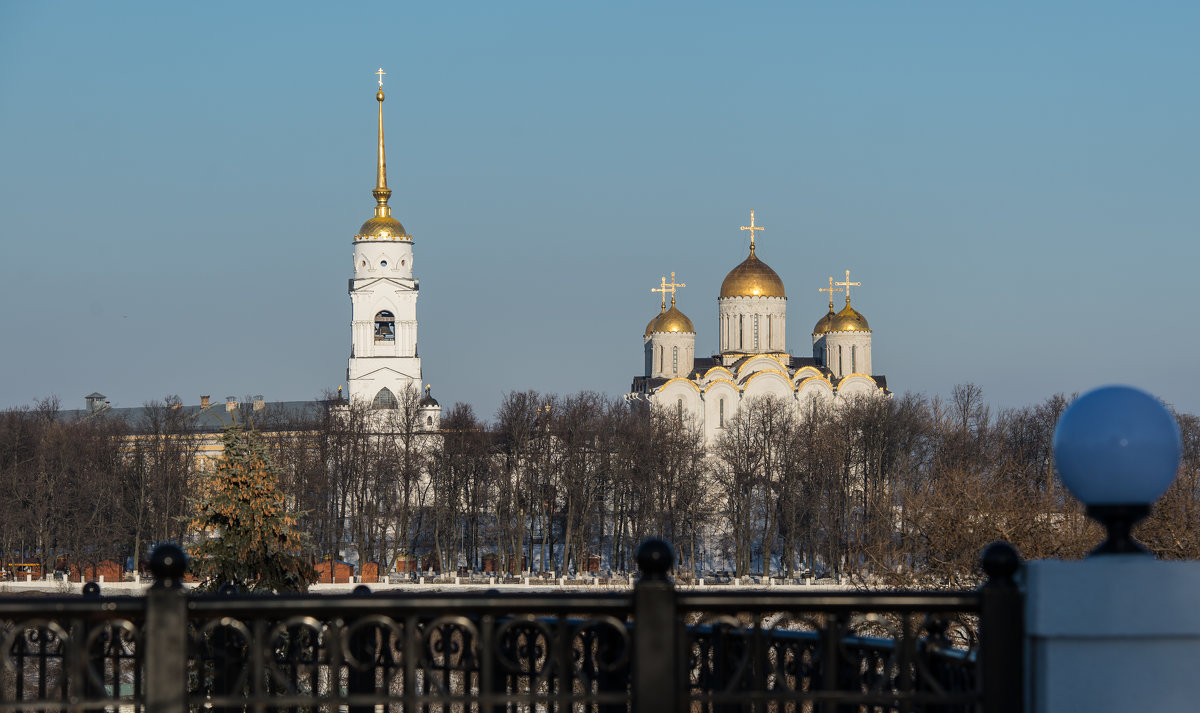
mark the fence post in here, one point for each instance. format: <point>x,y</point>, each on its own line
<point>363,644</point>
<point>165,633</point>
<point>657,674</point>
<point>1001,631</point>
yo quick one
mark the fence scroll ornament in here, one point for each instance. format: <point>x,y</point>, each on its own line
<point>655,649</point>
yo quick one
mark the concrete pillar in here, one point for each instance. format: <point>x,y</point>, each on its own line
<point>1111,634</point>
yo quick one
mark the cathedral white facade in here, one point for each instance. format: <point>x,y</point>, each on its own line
<point>753,358</point>
<point>384,361</point>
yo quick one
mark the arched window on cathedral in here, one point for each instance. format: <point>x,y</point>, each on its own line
<point>721,414</point>
<point>429,420</point>
<point>674,360</point>
<point>841,370</point>
<point>756,331</point>
<point>679,408</point>
<point>662,359</point>
<point>385,327</point>
<point>741,333</point>
<point>853,359</point>
<point>385,399</point>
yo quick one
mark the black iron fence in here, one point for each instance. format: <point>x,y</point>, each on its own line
<point>653,650</point>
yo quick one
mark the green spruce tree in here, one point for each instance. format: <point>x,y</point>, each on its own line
<point>245,534</point>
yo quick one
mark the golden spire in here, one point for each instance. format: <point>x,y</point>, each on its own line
<point>831,289</point>
<point>752,228</point>
<point>381,192</point>
<point>847,284</point>
<point>668,287</point>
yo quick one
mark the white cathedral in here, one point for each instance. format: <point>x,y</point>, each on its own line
<point>753,359</point>
<point>384,362</point>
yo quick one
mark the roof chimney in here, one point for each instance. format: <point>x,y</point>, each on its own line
<point>259,404</point>
<point>204,401</point>
<point>230,403</point>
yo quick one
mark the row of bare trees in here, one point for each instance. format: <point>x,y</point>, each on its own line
<point>900,491</point>
<point>86,490</point>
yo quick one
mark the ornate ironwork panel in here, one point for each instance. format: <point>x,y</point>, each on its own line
<point>797,652</point>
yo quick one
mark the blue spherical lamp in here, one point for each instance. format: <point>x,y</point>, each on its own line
<point>1117,449</point>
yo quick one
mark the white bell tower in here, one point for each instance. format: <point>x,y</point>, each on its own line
<point>383,300</point>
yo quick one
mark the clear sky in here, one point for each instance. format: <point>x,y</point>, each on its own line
<point>1015,184</point>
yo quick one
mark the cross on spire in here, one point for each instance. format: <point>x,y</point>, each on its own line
<point>380,72</point>
<point>847,284</point>
<point>831,289</point>
<point>752,227</point>
<point>668,287</point>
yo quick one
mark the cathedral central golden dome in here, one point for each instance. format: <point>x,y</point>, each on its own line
<point>752,278</point>
<point>671,320</point>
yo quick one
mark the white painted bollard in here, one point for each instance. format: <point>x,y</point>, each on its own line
<point>456,581</point>
<point>29,578</point>
<point>102,579</point>
<point>561,581</point>
<point>385,579</point>
<point>491,580</point>
<point>526,581</point>
<point>420,580</point>
<point>700,582</point>
<point>137,577</point>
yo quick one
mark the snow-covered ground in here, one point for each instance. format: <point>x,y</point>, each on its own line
<point>410,587</point>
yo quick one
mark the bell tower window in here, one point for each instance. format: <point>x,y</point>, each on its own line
<point>385,327</point>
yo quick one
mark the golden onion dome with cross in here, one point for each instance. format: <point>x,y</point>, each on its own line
<point>670,320</point>
<point>849,319</point>
<point>383,226</point>
<point>753,277</point>
<point>824,323</point>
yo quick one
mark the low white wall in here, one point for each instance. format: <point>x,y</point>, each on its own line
<point>1117,633</point>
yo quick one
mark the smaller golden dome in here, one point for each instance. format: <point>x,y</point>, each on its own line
<point>382,228</point>
<point>824,323</point>
<point>650,326</point>
<point>670,321</point>
<point>752,278</point>
<point>848,320</point>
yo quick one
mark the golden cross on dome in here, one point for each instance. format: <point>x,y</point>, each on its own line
<point>752,227</point>
<point>831,289</point>
<point>380,72</point>
<point>668,287</point>
<point>847,284</point>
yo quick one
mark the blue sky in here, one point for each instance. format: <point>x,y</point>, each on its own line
<point>1014,184</point>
